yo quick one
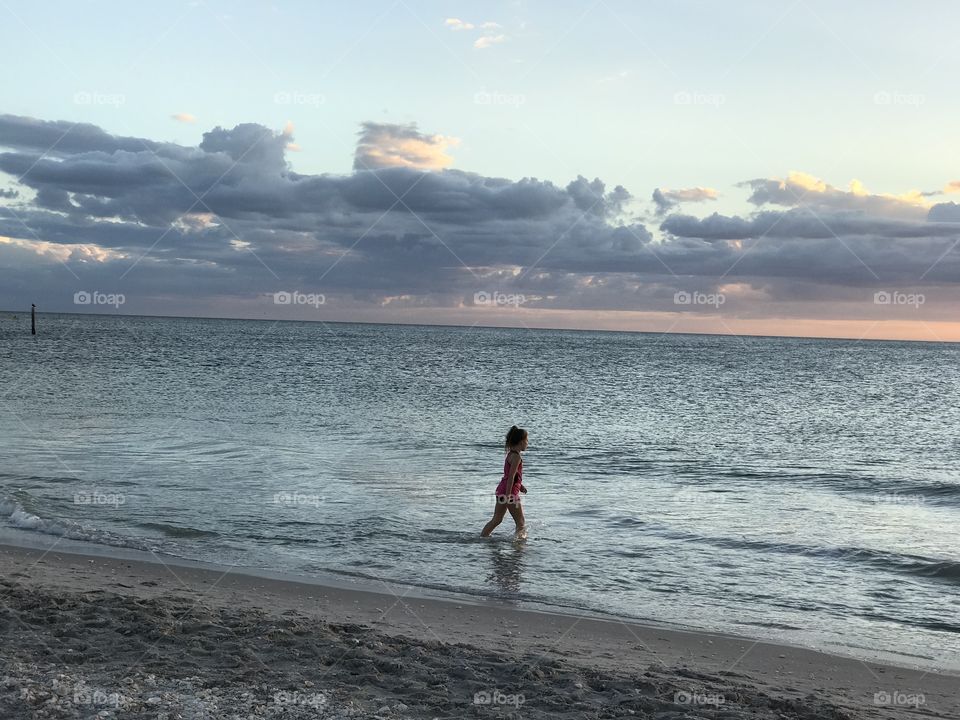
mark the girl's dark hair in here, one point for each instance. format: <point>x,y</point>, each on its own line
<point>515,436</point>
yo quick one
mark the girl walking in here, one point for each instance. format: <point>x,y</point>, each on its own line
<point>511,484</point>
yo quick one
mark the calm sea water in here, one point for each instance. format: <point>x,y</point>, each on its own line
<point>805,491</point>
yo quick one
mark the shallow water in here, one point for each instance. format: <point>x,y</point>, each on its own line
<point>798,490</point>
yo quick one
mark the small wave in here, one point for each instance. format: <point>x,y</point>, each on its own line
<point>626,521</point>
<point>632,554</point>
<point>586,512</point>
<point>177,531</point>
<point>894,562</point>
<point>936,625</point>
<point>770,625</point>
<point>21,519</point>
<point>879,490</point>
<point>944,569</point>
<point>451,536</point>
<point>40,478</point>
<point>891,492</point>
<point>281,539</point>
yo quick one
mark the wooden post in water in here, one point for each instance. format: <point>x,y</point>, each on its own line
<point>33,319</point>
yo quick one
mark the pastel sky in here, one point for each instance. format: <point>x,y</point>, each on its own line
<point>749,167</point>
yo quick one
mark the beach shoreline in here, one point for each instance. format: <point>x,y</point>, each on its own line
<point>557,665</point>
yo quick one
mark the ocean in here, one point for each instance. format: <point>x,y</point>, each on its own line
<point>799,490</point>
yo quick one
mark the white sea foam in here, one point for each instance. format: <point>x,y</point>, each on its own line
<point>19,518</point>
<point>22,519</point>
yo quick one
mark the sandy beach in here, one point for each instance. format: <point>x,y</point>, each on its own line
<point>97,636</point>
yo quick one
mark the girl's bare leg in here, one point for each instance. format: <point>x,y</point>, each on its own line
<point>516,512</point>
<point>498,512</point>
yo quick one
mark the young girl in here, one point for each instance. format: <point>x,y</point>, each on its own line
<point>511,485</point>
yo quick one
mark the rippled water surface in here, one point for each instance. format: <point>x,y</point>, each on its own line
<point>800,490</point>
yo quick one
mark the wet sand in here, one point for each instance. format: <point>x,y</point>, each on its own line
<point>99,636</point>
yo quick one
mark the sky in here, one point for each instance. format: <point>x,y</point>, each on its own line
<point>735,168</point>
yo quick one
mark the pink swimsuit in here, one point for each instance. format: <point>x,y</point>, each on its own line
<point>517,481</point>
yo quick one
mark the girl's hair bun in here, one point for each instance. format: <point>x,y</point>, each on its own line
<point>514,436</point>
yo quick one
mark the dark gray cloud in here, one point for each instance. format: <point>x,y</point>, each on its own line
<point>844,249</point>
<point>801,223</point>
<point>663,203</point>
<point>591,197</point>
<point>61,137</point>
<point>944,212</point>
<point>230,219</point>
<point>233,204</point>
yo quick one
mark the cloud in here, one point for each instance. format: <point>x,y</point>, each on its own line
<point>26,134</point>
<point>77,252</point>
<point>184,117</point>
<point>800,223</point>
<point>807,255</point>
<point>384,145</point>
<point>225,211</point>
<point>592,197</point>
<point>458,24</point>
<point>9,194</point>
<point>481,43</point>
<point>944,212</point>
<point>220,226</point>
<point>666,200</point>
<point>489,38</point>
<point>800,188</point>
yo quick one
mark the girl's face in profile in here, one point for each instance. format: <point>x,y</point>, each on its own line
<point>523,443</point>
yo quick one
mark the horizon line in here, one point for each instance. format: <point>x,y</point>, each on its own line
<point>492,327</point>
